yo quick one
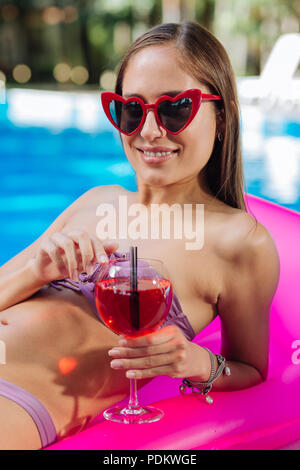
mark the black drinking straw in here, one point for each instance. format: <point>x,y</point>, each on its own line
<point>134,297</point>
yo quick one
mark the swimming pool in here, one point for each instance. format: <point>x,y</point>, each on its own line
<point>53,151</point>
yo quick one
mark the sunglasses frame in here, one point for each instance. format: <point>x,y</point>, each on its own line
<point>195,94</point>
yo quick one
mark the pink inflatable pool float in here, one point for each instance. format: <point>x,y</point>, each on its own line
<point>266,416</point>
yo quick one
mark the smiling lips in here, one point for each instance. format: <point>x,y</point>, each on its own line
<point>157,154</point>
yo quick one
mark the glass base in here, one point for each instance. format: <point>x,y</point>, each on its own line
<point>121,414</point>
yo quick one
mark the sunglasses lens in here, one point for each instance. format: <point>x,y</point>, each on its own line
<point>126,116</point>
<point>175,115</point>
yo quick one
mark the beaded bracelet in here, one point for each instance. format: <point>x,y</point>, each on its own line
<point>204,387</point>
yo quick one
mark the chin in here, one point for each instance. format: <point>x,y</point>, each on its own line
<point>153,180</point>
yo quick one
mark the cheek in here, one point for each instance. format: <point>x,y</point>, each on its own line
<point>126,142</point>
<point>129,150</point>
<point>201,134</point>
<point>206,123</point>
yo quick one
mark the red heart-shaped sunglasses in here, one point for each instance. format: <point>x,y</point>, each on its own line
<point>173,114</point>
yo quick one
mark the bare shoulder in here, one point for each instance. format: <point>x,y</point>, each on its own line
<point>243,236</point>
<point>250,252</point>
<point>250,278</point>
<point>110,189</point>
<point>106,193</point>
<point>107,190</point>
<point>85,207</point>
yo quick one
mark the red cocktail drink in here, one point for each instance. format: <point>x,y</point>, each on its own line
<point>133,297</point>
<point>114,303</point>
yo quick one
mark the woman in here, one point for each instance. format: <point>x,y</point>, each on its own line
<point>64,361</point>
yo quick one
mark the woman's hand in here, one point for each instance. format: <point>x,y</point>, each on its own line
<point>68,254</point>
<point>163,352</point>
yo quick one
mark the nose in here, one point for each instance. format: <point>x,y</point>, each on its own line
<point>151,128</point>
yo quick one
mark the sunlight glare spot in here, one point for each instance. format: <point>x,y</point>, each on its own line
<point>67,364</point>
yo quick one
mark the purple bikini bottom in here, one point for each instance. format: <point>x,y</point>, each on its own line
<point>34,407</point>
<point>86,285</point>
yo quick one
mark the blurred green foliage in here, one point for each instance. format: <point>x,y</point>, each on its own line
<point>95,33</point>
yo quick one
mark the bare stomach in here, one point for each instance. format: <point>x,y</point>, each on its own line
<point>56,349</point>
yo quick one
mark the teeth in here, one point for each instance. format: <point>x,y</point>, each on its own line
<point>158,154</point>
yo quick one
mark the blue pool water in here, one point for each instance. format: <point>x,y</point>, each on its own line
<point>45,170</point>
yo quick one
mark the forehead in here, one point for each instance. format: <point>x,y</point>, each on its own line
<point>154,70</point>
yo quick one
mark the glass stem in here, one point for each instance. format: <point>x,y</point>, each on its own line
<point>133,399</point>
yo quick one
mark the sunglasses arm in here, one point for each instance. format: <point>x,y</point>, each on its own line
<point>206,97</point>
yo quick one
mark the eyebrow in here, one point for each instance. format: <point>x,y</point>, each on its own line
<point>168,93</point>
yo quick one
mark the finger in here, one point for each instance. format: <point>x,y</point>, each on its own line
<point>148,373</point>
<point>67,244</point>
<point>85,247</point>
<point>147,362</point>
<point>143,351</point>
<point>157,337</point>
<point>173,364</point>
<point>99,251</point>
<point>51,249</point>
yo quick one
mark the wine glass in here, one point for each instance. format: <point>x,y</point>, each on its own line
<point>133,310</point>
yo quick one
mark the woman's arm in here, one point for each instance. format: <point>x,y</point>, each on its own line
<point>18,285</point>
<point>55,255</point>
<point>244,309</point>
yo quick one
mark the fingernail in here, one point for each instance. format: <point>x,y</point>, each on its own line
<point>75,275</point>
<point>103,259</point>
<point>114,352</point>
<point>130,375</point>
<point>116,364</point>
<point>122,342</point>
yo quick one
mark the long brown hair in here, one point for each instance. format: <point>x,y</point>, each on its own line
<point>204,57</point>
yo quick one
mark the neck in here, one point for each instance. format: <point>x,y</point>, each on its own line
<point>181,192</point>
